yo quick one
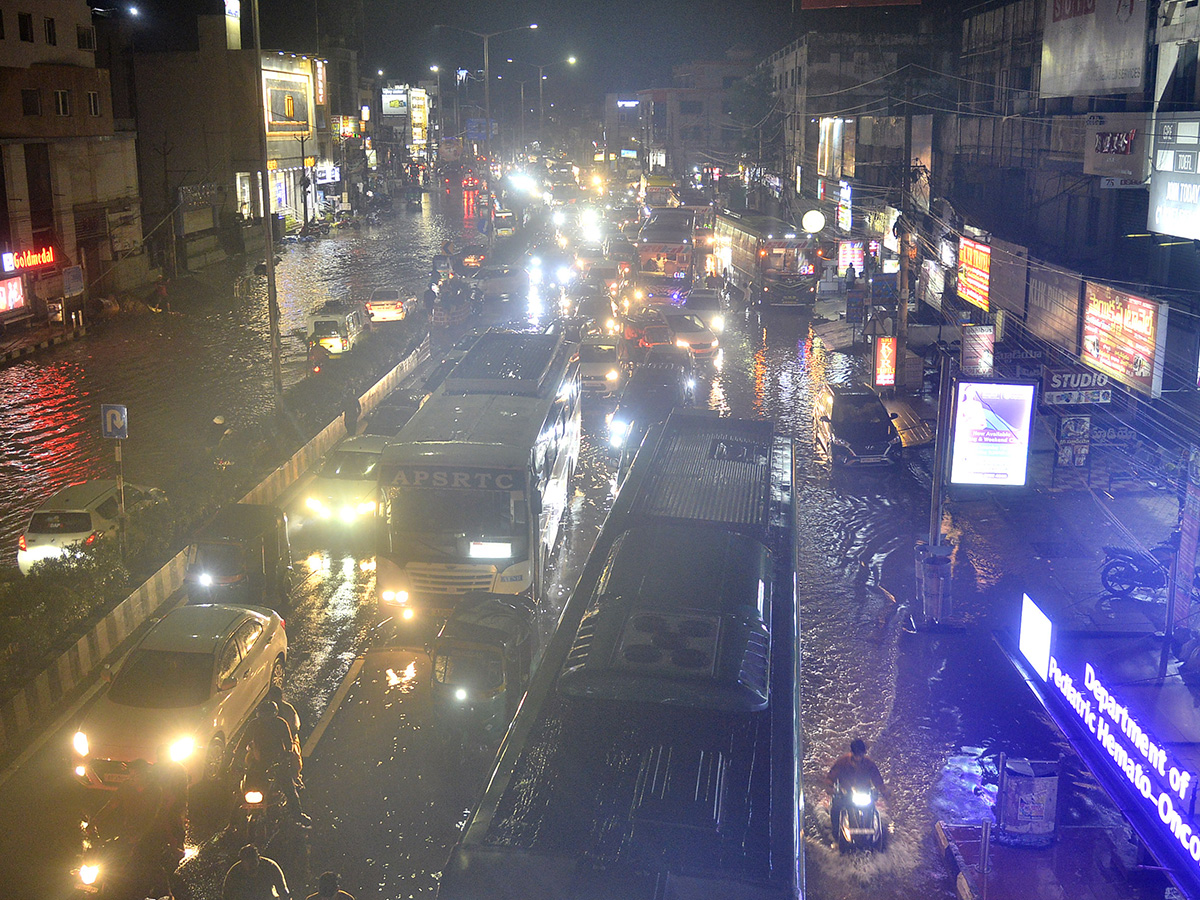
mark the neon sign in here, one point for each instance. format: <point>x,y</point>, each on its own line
<point>974,272</point>
<point>27,259</point>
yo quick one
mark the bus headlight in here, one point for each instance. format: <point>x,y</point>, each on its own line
<point>460,694</point>
<point>89,874</point>
<point>612,375</point>
<point>365,508</point>
<point>394,596</point>
<point>681,343</point>
<point>205,580</point>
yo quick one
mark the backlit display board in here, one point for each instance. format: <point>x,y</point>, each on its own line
<point>993,421</point>
<point>885,362</point>
<point>844,211</point>
<point>974,272</point>
<point>12,296</point>
<point>1175,185</point>
<point>288,104</point>
<point>1124,337</point>
<point>395,102</point>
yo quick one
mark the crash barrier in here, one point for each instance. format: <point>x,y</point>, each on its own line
<point>32,705</point>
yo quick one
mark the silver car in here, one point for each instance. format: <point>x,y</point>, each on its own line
<point>346,486</point>
<point>189,686</point>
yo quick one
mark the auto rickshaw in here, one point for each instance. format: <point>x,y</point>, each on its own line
<point>242,555</point>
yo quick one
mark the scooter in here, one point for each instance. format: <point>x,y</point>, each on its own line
<point>854,815</point>
<point>1124,569</point>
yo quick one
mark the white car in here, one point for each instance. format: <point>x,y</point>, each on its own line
<point>189,685</point>
<point>689,331</point>
<point>346,486</point>
<point>79,515</point>
<point>387,305</point>
<point>599,366</point>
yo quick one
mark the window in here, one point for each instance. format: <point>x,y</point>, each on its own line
<point>93,103</point>
<point>85,35</point>
<point>1,25</point>
<point>51,33</point>
<point>25,26</point>
<point>31,102</point>
<point>690,107</point>
<point>62,103</point>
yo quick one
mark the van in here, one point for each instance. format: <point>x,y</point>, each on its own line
<point>242,555</point>
<point>337,327</point>
<point>854,428</point>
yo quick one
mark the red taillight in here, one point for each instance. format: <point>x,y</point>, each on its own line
<point>342,341</point>
<point>91,539</point>
<point>316,369</point>
<point>21,544</point>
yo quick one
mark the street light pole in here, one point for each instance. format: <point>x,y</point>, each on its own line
<point>437,71</point>
<point>268,225</point>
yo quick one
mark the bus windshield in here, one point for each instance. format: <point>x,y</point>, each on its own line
<point>471,513</point>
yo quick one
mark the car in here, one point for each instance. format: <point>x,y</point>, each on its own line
<point>587,256</point>
<point>387,305</point>
<point>680,359</point>
<point>496,282</point>
<point>854,428</point>
<point>706,304</point>
<point>688,330</point>
<point>647,399</point>
<point>599,367</point>
<point>78,516</point>
<point>189,685</point>
<point>337,328</point>
<point>346,485</point>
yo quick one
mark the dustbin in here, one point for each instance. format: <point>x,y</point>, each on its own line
<point>1027,802</point>
<point>936,576</point>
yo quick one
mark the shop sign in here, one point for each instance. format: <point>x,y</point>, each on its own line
<point>1124,337</point>
<point>319,82</point>
<point>993,421</point>
<point>27,259</point>
<point>1074,385</point>
<point>1121,437</point>
<point>1175,181</point>
<point>844,210</point>
<point>851,253</point>
<point>1053,312</point>
<point>974,272</point>
<point>885,362</point>
<point>12,295</point>
<point>978,344</point>
<point>327,173</point>
<point>1074,441</point>
<point>1116,147</point>
<point>1142,762</point>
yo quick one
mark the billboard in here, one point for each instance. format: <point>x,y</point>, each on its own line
<point>1175,184</point>
<point>885,362</point>
<point>978,348</point>
<point>395,102</point>
<point>993,421</point>
<point>1074,385</point>
<point>1116,145</point>
<point>12,297</point>
<point>1124,337</point>
<point>419,107</point>
<point>974,268</point>
<point>1093,48</point>
<point>1053,312</point>
<point>288,96</point>
<point>1006,281</point>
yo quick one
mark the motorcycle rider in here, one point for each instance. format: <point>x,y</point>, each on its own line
<point>853,770</point>
<point>254,877</point>
<point>172,780</point>
<point>270,745</point>
<point>135,817</point>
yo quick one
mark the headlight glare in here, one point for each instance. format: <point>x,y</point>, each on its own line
<point>80,743</point>
<point>182,749</point>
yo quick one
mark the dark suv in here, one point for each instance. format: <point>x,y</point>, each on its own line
<point>854,428</point>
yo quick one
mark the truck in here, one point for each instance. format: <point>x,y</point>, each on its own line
<point>656,753</point>
<point>767,259</point>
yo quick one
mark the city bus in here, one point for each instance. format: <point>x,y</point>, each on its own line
<point>766,258</point>
<point>658,191</point>
<point>475,485</point>
<point>657,750</point>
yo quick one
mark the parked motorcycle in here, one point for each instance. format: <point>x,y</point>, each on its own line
<point>854,815</point>
<point>1124,569</point>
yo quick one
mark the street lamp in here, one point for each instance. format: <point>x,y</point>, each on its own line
<point>487,80</point>
<point>437,71</point>
<point>570,61</point>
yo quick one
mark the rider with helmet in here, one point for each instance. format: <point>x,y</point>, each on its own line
<point>270,745</point>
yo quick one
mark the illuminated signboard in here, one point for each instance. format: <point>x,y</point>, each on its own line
<point>27,259</point>
<point>628,154</point>
<point>287,102</point>
<point>395,102</point>
<point>12,296</point>
<point>1124,337</point>
<point>850,253</point>
<point>1144,763</point>
<point>974,272</point>
<point>978,350</point>
<point>627,104</point>
<point>319,82</point>
<point>885,362</point>
<point>992,425</point>
<point>844,215</point>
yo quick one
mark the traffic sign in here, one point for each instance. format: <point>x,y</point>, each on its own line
<point>72,281</point>
<point>114,421</point>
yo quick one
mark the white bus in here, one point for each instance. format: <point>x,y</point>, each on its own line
<point>476,484</point>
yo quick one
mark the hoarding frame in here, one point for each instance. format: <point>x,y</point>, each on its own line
<point>1099,346</point>
<point>965,466</point>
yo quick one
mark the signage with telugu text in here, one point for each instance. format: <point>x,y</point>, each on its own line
<point>974,270</point>
<point>1124,337</point>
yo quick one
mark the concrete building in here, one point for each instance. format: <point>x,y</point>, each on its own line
<point>68,182</point>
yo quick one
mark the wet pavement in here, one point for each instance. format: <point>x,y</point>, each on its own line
<point>935,707</point>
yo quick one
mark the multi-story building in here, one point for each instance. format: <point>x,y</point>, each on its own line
<point>68,181</point>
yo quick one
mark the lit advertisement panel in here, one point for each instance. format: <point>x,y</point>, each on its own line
<point>974,272</point>
<point>1175,183</point>
<point>12,296</point>
<point>885,362</point>
<point>844,217</point>
<point>1124,337</point>
<point>287,102</point>
<point>1036,635</point>
<point>395,102</point>
<point>993,421</point>
<point>1093,48</point>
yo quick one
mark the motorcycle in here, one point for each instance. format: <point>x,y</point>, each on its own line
<point>261,805</point>
<point>854,815</point>
<point>1124,569</point>
<point>115,868</point>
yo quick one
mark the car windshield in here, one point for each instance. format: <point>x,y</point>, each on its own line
<point>597,352</point>
<point>350,465</point>
<point>657,334</point>
<point>217,559</point>
<point>385,296</point>
<point>470,513</point>
<point>468,668</point>
<point>163,679</point>
<point>686,323</point>
<point>325,328</point>
<point>703,302</point>
<point>858,410</point>
<point>60,523</point>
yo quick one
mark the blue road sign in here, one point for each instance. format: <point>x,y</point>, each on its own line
<point>114,421</point>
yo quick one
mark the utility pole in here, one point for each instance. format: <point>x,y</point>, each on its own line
<point>903,237</point>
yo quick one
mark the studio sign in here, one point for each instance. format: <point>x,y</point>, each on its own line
<point>1147,765</point>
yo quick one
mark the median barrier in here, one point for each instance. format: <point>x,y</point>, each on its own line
<point>30,707</point>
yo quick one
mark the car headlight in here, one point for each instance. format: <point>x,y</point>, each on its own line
<point>395,596</point>
<point>205,579</point>
<point>612,375</point>
<point>365,508</point>
<point>254,797</point>
<point>315,505</point>
<point>89,874</point>
<point>716,343</point>
<point>182,749</point>
<point>716,323</point>
<point>80,743</point>
<point>681,343</point>
<point>860,798</point>
<point>565,274</point>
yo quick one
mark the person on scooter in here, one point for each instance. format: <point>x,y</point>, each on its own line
<point>853,771</point>
<point>270,746</point>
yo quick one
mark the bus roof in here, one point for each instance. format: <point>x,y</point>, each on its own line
<point>759,225</point>
<point>506,363</point>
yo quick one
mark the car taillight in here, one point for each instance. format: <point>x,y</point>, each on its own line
<point>91,538</point>
<point>21,544</point>
<point>342,341</point>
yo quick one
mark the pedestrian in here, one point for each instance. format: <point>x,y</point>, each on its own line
<point>851,276</point>
<point>329,888</point>
<point>254,877</point>
<point>351,410</point>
